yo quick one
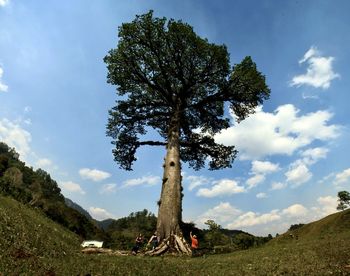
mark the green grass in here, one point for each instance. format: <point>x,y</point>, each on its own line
<point>29,241</point>
<point>322,248</point>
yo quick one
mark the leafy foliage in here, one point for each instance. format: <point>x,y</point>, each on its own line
<point>216,239</point>
<point>344,200</point>
<point>214,236</point>
<point>123,231</point>
<point>295,226</point>
<point>170,79</point>
<point>245,240</point>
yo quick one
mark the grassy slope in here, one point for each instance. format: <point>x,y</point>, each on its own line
<point>322,248</point>
<point>29,241</point>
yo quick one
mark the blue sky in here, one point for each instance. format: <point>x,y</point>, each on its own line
<point>293,152</point>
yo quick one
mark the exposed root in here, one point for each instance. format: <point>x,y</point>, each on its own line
<point>182,245</point>
<point>173,244</point>
<point>160,249</point>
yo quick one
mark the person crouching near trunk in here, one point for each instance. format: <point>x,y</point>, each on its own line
<point>154,240</point>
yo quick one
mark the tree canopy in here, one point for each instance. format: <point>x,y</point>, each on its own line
<point>343,199</point>
<point>170,79</point>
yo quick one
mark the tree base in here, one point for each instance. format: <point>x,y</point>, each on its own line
<point>172,245</point>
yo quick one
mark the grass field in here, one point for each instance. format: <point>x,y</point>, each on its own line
<point>31,244</point>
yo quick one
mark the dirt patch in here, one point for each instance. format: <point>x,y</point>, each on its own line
<point>20,253</point>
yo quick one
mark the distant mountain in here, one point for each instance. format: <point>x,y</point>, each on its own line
<point>77,207</point>
<point>104,224</point>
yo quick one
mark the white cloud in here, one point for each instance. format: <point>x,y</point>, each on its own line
<point>311,156</point>
<point>319,73</point>
<point>261,195</point>
<point>27,122</point>
<point>313,126</point>
<point>27,109</point>
<point>93,174</point>
<point>326,178</point>
<point>296,210</point>
<point>274,221</point>
<point>305,96</point>
<point>15,136</point>
<point>71,187</point>
<point>252,222</point>
<point>264,167</point>
<point>327,205</point>
<point>4,2</point>
<point>282,132</point>
<point>278,186</point>
<point>221,188</point>
<point>3,87</point>
<point>311,52</point>
<point>220,214</point>
<point>108,188</point>
<point>196,181</point>
<point>298,173</point>
<point>145,180</point>
<point>259,170</point>
<point>342,177</point>
<point>99,213</point>
<point>43,163</point>
<point>255,180</point>
<point>252,219</point>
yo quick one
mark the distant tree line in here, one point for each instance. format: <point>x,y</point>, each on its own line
<point>123,231</point>
<point>220,240</point>
<point>295,226</point>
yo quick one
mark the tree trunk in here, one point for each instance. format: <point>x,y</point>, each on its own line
<point>169,214</point>
<point>170,204</point>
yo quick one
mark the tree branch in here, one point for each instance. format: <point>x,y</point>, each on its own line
<point>152,143</point>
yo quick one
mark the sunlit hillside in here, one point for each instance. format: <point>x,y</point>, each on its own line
<point>30,241</point>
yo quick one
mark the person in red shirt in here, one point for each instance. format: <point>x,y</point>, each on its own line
<point>194,242</point>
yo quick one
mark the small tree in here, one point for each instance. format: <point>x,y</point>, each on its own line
<point>344,200</point>
<point>171,80</point>
<point>214,236</point>
<point>295,226</point>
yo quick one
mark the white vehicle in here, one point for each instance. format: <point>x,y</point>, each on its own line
<point>95,244</point>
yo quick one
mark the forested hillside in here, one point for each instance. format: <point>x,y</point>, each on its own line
<point>37,189</point>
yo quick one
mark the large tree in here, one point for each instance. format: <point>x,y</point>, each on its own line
<point>170,79</point>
